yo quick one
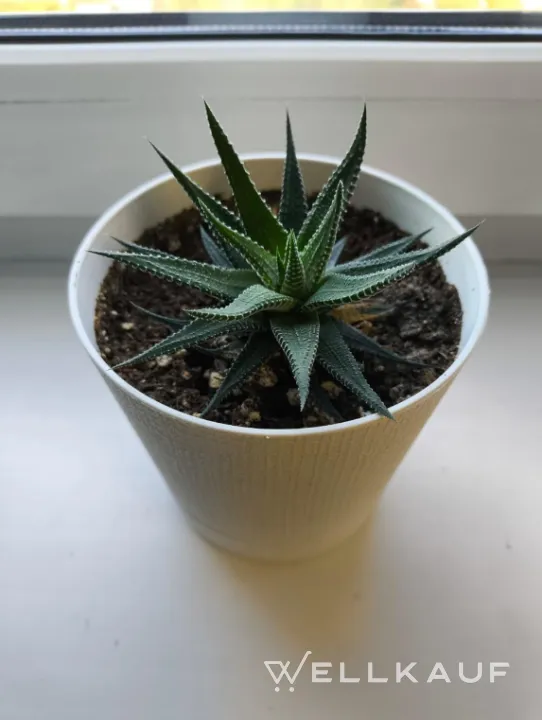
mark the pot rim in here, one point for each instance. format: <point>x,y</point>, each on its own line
<point>474,257</point>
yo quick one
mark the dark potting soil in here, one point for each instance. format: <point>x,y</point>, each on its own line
<point>422,321</point>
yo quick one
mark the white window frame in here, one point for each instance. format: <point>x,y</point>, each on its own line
<point>463,120</point>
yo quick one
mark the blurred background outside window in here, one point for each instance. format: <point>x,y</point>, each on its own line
<point>143,6</point>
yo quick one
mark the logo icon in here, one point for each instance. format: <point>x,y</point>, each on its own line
<point>269,664</point>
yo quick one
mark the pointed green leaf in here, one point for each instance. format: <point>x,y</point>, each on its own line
<point>199,196</point>
<point>294,283</point>
<point>260,223</point>
<point>335,356</point>
<point>347,173</point>
<point>219,282</point>
<point>259,259</point>
<point>136,247</point>
<point>281,265</point>
<point>293,200</point>
<point>195,332</point>
<point>318,250</point>
<point>359,341</point>
<point>396,247</point>
<point>339,289</point>
<point>321,400</point>
<point>251,301</point>
<point>416,257</point>
<point>213,250</point>
<point>342,289</point>
<point>141,249</point>
<point>228,253</point>
<point>389,250</point>
<point>174,323</point>
<point>336,252</point>
<point>258,349</point>
<point>228,351</point>
<point>235,261</point>
<point>298,335</point>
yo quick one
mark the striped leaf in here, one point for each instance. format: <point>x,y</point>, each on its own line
<point>195,332</point>
<point>251,301</point>
<point>173,323</point>
<point>222,283</point>
<point>318,250</point>
<point>298,336</point>
<point>394,248</point>
<point>256,351</point>
<point>335,356</point>
<point>142,249</point>
<point>258,219</point>
<point>321,400</point>
<point>336,252</point>
<point>417,257</point>
<point>260,260</point>
<point>347,173</point>
<point>293,200</point>
<point>294,282</point>
<point>342,289</point>
<point>359,341</point>
<point>228,351</point>
<point>199,196</point>
<point>216,254</point>
<point>223,255</point>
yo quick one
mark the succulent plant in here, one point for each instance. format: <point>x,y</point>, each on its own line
<point>278,277</point>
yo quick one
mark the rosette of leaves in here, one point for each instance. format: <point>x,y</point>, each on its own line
<point>277,278</point>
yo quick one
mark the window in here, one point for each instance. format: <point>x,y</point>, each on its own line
<point>462,87</point>
<point>96,20</point>
<point>144,6</point>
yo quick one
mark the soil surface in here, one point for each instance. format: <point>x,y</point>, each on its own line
<point>421,320</point>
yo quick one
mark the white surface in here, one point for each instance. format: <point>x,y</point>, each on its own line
<point>110,608</point>
<point>73,118</point>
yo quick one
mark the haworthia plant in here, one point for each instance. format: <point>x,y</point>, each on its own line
<point>279,277</point>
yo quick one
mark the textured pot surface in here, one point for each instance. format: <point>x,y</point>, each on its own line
<point>277,494</point>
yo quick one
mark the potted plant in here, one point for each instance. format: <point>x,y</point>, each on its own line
<point>278,355</point>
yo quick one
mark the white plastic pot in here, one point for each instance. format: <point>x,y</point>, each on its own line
<point>277,494</point>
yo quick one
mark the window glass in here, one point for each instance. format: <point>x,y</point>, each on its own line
<point>146,6</point>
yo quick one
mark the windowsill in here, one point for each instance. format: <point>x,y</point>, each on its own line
<point>111,608</point>
<point>310,50</point>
